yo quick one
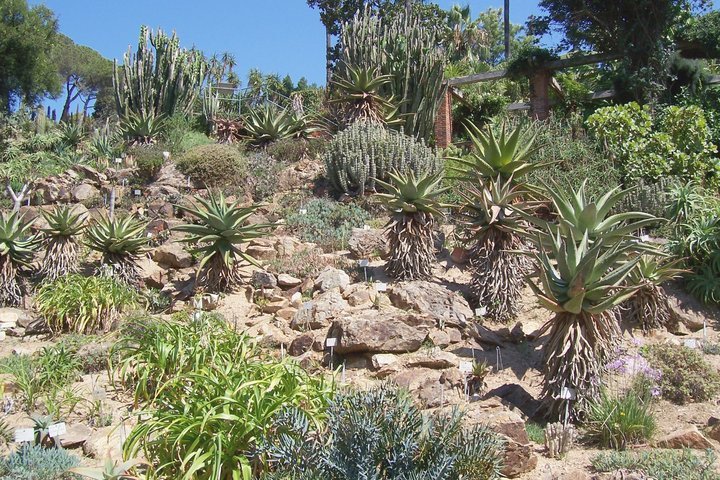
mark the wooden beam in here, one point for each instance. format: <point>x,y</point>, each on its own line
<point>602,95</point>
<point>713,80</point>
<point>581,60</point>
<point>477,77</point>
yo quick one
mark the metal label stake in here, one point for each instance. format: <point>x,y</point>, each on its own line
<point>498,359</point>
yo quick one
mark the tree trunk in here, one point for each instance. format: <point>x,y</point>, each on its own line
<point>507,29</point>
<point>328,54</point>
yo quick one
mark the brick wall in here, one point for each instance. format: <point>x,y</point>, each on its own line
<point>443,121</point>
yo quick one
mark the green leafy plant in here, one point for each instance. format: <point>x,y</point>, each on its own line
<point>704,284</point>
<point>34,462</point>
<point>267,124</point>
<point>413,206</point>
<point>649,307</point>
<point>61,243</point>
<point>213,165</point>
<point>365,152</point>
<point>71,134</point>
<point>379,434</point>
<point>357,94</point>
<point>17,248</point>
<point>111,470</point>
<point>82,304</point>
<point>148,160</point>
<point>618,421</point>
<point>142,128</point>
<point>120,240</point>
<point>222,230</point>
<point>660,464</point>
<point>491,228</point>
<point>326,222</point>
<point>686,376</point>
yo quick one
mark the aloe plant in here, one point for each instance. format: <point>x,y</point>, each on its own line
<point>120,240</point>
<point>142,128</point>
<point>581,282</point>
<point>357,93</point>
<point>17,249</point>
<point>222,229</point>
<point>492,229</point>
<point>267,124</point>
<point>61,242</point>
<point>649,307</point>
<point>413,205</point>
<point>111,470</point>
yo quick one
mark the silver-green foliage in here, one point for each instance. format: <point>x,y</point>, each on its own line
<point>365,151</point>
<point>37,463</point>
<point>160,78</point>
<point>406,50</point>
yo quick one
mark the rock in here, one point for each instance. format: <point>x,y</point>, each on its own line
<point>319,312</point>
<point>75,436</point>
<point>331,278</point>
<point>237,306</point>
<point>380,332</point>
<point>305,343</point>
<point>686,438</point>
<point>288,281</point>
<point>367,243</point>
<point>439,338</point>
<point>259,252</point>
<point>435,359</point>
<point>17,332</point>
<point>156,226</point>
<point>90,173</point>
<point>359,294</point>
<point>173,255</point>
<point>448,308</point>
<point>287,313</point>
<point>296,299</point>
<point>106,443</point>
<point>518,459</point>
<point>37,327</point>
<point>85,192</point>
<point>380,360</point>
<point>21,318</point>
<point>161,208</point>
<point>275,304</point>
<point>459,255</point>
<point>152,274</point>
<point>516,396</point>
<point>688,311</point>
<point>263,279</point>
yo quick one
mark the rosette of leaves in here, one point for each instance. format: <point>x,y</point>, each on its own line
<point>142,128</point>
<point>649,307</point>
<point>507,155</point>
<point>266,124</point>
<point>221,230</point>
<point>357,93</point>
<point>61,242</point>
<point>413,204</point>
<point>581,282</point>
<point>17,249</point>
<point>120,240</point>
<point>492,228</point>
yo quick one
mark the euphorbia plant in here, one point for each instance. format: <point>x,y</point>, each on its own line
<point>413,205</point>
<point>222,229</point>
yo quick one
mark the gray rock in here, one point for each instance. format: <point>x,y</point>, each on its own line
<point>173,255</point>
<point>372,331</point>
<point>319,312</point>
<point>19,317</point>
<point>331,278</point>
<point>288,281</point>
<point>448,308</point>
<point>263,279</point>
<point>85,192</point>
<point>75,436</point>
<point>367,243</point>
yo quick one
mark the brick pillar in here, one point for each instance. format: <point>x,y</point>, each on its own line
<point>443,121</point>
<point>540,94</point>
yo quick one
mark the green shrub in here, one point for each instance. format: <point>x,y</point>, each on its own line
<point>148,159</point>
<point>660,464</point>
<point>573,159</point>
<point>213,397</point>
<point>264,171</point>
<point>326,222</point>
<point>38,463</point>
<point>616,421</point>
<point>214,165</point>
<point>366,151</point>
<point>302,264</point>
<point>535,432</point>
<point>81,304</point>
<point>295,149</point>
<point>686,376</point>
<point>381,434</point>
<point>182,133</point>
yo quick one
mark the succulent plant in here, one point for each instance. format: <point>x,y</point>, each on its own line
<point>222,229</point>
<point>142,129</point>
<point>357,93</point>
<point>492,227</point>
<point>111,470</point>
<point>61,242</point>
<point>120,240</point>
<point>17,249</point>
<point>266,124</point>
<point>413,205</point>
<point>649,307</point>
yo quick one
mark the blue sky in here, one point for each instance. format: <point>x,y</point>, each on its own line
<point>276,36</point>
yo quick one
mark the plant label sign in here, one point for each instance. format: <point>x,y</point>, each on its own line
<point>366,227</point>
<point>567,393</point>
<point>363,263</point>
<point>118,161</point>
<point>23,435</point>
<point>480,312</point>
<point>137,193</point>
<point>381,287</point>
<point>691,343</point>
<point>466,367</point>
<point>331,342</point>
<point>303,211</point>
<point>57,429</point>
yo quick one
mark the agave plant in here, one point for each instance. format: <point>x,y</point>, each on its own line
<point>120,240</point>
<point>358,95</point>
<point>507,156</point>
<point>142,129</point>
<point>412,202</point>
<point>581,282</point>
<point>71,134</point>
<point>492,228</point>
<point>649,307</point>
<point>61,243</point>
<point>267,124</point>
<point>17,248</point>
<point>111,470</point>
<point>222,229</point>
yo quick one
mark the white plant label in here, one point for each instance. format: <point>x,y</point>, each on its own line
<point>57,429</point>
<point>138,193</point>
<point>363,263</point>
<point>645,238</point>
<point>24,435</point>
<point>691,343</point>
<point>331,342</point>
<point>567,393</point>
<point>303,211</point>
<point>2,335</point>
<point>466,367</point>
<point>118,160</point>
<point>381,287</point>
<point>480,312</point>
<point>366,227</point>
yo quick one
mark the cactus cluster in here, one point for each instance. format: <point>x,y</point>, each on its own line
<point>409,53</point>
<point>367,151</point>
<point>160,78</point>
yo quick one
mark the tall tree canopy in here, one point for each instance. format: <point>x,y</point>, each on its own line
<point>27,36</point>
<point>83,72</point>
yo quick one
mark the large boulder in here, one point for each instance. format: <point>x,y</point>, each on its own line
<point>366,243</point>
<point>319,312</point>
<point>85,192</point>
<point>380,332</point>
<point>448,308</point>
<point>685,438</point>
<point>332,278</point>
<point>173,255</point>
